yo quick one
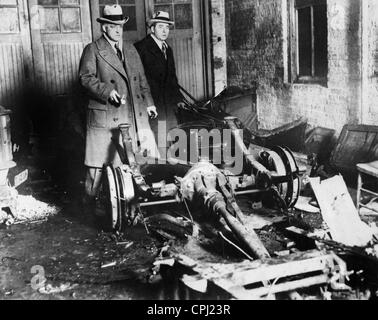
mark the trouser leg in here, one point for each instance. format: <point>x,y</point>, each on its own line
<point>93,182</point>
<point>92,188</point>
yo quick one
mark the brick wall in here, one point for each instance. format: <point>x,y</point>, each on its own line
<point>254,52</point>
<point>256,58</point>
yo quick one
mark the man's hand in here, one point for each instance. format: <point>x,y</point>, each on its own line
<point>152,112</point>
<point>115,97</point>
<point>181,105</point>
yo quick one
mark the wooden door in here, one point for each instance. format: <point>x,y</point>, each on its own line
<point>59,31</point>
<point>187,41</point>
<point>16,67</point>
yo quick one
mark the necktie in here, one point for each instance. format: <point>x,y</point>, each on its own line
<point>119,53</point>
<point>164,50</point>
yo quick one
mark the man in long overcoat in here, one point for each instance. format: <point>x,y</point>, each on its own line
<point>159,64</point>
<point>113,77</point>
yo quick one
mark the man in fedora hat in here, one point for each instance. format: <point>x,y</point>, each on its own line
<point>113,77</point>
<point>159,65</point>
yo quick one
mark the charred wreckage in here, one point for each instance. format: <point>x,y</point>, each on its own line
<point>211,188</point>
<point>197,196</point>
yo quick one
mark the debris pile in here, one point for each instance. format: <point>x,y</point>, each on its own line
<point>31,209</point>
<point>28,210</point>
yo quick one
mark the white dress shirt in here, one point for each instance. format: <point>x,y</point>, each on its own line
<point>113,43</point>
<point>159,42</point>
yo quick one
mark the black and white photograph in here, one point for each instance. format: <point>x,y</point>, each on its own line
<point>188,154</point>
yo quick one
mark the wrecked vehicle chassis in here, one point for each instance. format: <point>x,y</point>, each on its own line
<point>213,190</point>
<point>129,188</point>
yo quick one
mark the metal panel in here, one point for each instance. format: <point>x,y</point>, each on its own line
<point>61,65</point>
<point>11,72</point>
<point>187,71</point>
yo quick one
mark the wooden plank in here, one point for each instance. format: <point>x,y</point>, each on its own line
<point>36,43</point>
<point>280,271</point>
<point>194,66</point>
<point>292,285</point>
<point>243,273</point>
<point>70,71</point>
<point>3,86</point>
<point>86,34</point>
<point>244,294</point>
<point>20,69</point>
<point>60,69</point>
<point>141,19</point>
<point>12,71</point>
<point>65,62</point>
<point>7,85</point>
<point>15,70</point>
<point>49,56</point>
<point>234,277</point>
<point>198,42</point>
<point>373,211</point>
<point>95,13</point>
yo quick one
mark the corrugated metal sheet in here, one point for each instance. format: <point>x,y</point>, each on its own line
<point>62,64</point>
<point>187,72</point>
<point>12,75</point>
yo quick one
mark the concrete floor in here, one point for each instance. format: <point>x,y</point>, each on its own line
<point>69,251</point>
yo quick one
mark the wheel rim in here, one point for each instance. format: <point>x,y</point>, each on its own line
<point>282,161</point>
<point>112,198</point>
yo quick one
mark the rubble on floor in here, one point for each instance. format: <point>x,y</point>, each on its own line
<point>31,209</point>
<point>28,210</point>
<point>331,226</point>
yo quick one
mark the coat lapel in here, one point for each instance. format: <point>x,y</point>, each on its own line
<point>108,54</point>
<point>154,48</point>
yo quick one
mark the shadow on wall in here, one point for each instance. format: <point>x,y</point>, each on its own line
<point>49,131</point>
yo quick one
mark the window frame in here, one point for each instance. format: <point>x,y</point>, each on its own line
<point>173,9</point>
<point>294,63</point>
<point>12,6</point>
<point>60,6</point>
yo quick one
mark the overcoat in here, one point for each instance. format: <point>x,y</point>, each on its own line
<point>161,76</point>
<point>100,72</point>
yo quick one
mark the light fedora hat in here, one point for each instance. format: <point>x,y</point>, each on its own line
<point>160,17</point>
<point>113,14</point>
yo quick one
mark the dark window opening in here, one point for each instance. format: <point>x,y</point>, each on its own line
<point>312,40</point>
